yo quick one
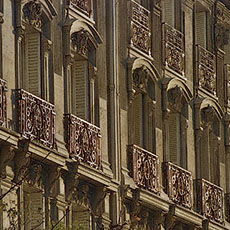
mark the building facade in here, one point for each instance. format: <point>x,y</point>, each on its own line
<point>115,114</point>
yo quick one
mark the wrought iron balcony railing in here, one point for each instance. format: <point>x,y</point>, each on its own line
<point>178,184</point>
<point>140,35</point>
<point>174,51</point>
<point>36,118</point>
<point>210,200</point>
<point>206,70</point>
<point>3,103</point>
<point>83,141</point>
<point>144,168</point>
<point>227,206</point>
<point>82,5</point>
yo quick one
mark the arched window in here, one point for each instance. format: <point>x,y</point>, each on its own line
<point>177,127</point>
<point>209,145</point>
<point>36,46</point>
<point>82,75</point>
<point>142,110</point>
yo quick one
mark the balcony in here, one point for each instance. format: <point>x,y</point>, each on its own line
<point>174,52</point>
<point>210,200</point>
<point>3,103</point>
<point>140,36</point>
<point>82,5</point>
<point>206,70</point>
<point>144,168</point>
<point>36,118</point>
<point>83,141</point>
<point>178,184</point>
<point>227,206</point>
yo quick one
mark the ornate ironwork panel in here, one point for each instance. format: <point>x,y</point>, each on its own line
<point>210,200</point>
<point>174,52</point>
<point>227,206</point>
<point>140,27</point>
<point>83,141</point>
<point>144,168</point>
<point>178,184</point>
<point>206,70</point>
<point>3,103</point>
<point>82,5</point>
<point>227,84</point>
<point>36,118</point>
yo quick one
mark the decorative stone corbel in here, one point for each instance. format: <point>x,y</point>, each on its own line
<point>158,220</point>
<point>170,220</point>
<point>71,179</point>
<point>1,18</point>
<point>33,175</point>
<point>98,199</point>
<point>208,115</point>
<point>46,44</point>
<point>82,197</point>
<point>7,153</point>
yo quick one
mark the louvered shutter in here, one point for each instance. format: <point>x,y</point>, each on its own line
<point>174,137</point>
<point>81,218</point>
<point>36,209</point>
<point>169,12</point>
<point>137,108</point>
<point>80,83</point>
<point>33,63</point>
<point>201,29</point>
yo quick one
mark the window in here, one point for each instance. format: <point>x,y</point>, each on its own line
<point>209,145</point>
<point>35,54</point>
<point>172,13</point>
<point>142,110</point>
<point>177,127</point>
<point>83,87</point>
<point>203,26</point>
<point>33,209</point>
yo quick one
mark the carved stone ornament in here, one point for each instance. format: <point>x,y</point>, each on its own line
<point>6,155</point>
<point>32,12</point>
<point>140,79</point>
<point>207,115</point>
<point>221,36</point>
<point>175,99</point>
<point>80,42</point>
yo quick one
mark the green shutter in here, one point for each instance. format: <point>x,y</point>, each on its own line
<point>174,137</point>
<point>169,12</point>
<point>80,89</point>
<point>201,29</point>
<point>137,113</point>
<point>33,63</point>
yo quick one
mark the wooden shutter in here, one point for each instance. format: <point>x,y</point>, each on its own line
<point>201,28</point>
<point>33,210</point>
<point>169,12</point>
<point>137,110</point>
<point>33,63</point>
<point>174,137</point>
<point>80,103</point>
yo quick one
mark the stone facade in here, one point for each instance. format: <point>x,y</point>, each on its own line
<point>114,114</point>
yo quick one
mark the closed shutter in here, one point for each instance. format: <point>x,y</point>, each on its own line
<point>80,104</point>
<point>36,211</point>
<point>33,63</point>
<point>33,210</point>
<point>201,29</point>
<point>81,219</point>
<point>137,113</point>
<point>174,138</point>
<point>169,12</point>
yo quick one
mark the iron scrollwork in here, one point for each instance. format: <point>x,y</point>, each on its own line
<point>206,70</point>
<point>3,103</point>
<point>36,118</point>
<point>144,168</point>
<point>83,141</point>
<point>140,27</point>
<point>210,200</point>
<point>178,184</point>
<point>174,56</point>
